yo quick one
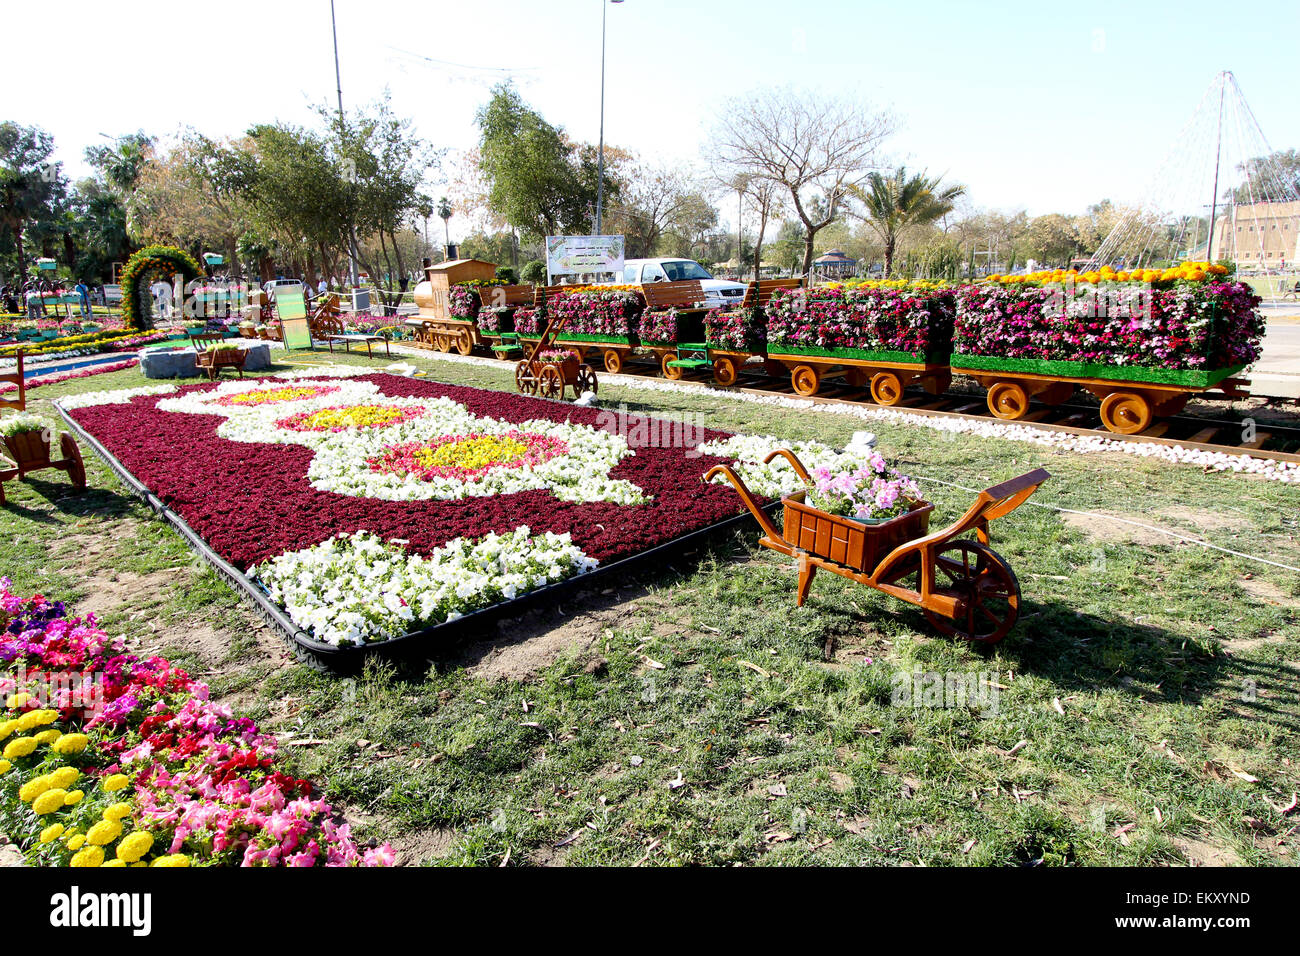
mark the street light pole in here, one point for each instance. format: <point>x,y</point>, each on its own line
<point>600,159</point>
<point>338,82</point>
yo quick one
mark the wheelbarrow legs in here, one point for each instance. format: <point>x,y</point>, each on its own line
<point>806,571</point>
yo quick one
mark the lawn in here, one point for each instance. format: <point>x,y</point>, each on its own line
<point>1144,711</point>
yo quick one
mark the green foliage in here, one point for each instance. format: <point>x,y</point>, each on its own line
<point>151,261</point>
<point>533,272</point>
<point>32,192</point>
<point>895,203</point>
<point>507,275</point>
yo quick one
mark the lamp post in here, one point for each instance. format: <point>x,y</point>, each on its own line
<point>600,157</point>
<point>338,82</point>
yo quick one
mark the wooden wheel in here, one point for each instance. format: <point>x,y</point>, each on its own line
<point>886,388</point>
<point>465,342</point>
<point>986,589</point>
<point>550,383</point>
<point>442,340</point>
<point>613,361</point>
<point>524,379</point>
<point>1125,413</point>
<point>670,371</point>
<point>72,455</point>
<point>1008,401</point>
<point>1056,393</point>
<point>586,381</point>
<point>724,371</point>
<point>806,380</point>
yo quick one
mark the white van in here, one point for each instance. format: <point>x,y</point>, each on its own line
<point>718,293</point>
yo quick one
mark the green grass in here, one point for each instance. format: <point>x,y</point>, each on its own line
<point>1144,678</point>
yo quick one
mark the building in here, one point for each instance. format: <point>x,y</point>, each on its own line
<point>1262,235</point>
<point>835,265</point>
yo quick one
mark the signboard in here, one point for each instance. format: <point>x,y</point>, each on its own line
<point>294,333</point>
<point>576,255</point>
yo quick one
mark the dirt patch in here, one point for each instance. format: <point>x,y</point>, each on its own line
<point>524,646</point>
<point>1202,853</point>
<point>1206,521</point>
<point>1099,528</point>
<point>1267,591</point>
<point>412,849</point>
<point>114,590</point>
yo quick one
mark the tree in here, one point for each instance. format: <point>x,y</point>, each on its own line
<point>537,180</point>
<point>122,163</point>
<point>895,203</point>
<point>812,147</point>
<point>652,201</point>
<point>31,187</point>
<point>1051,240</point>
<point>444,213</point>
<point>1271,178</point>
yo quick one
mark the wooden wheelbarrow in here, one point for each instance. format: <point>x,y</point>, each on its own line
<point>964,587</point>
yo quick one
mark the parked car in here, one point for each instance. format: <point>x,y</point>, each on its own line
<point>718,292</point>
<point>270,287</point>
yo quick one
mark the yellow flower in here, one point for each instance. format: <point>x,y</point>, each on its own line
<point>7,728</point>
<point>134,846</point>
<point>74,796</point>
<point>118,863</point>
<point>20,747</point>
<point>64,776</point>
<point>90,856</point>
<point>49,801</point>
<point>71,744</point>
<point>117,811</point>
<point>104,832</point>
<point>17,700</point>
<point>52,833</point>
<point>37,718</point>
<point>48,736</point>
<point>76,841</point>
<point>5,766</point>
<point>115,782</point>
<point>34,787</point>
<point>174,859</point>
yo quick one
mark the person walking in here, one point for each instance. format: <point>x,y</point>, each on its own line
<point>83,297</point>
<point>162,297</point>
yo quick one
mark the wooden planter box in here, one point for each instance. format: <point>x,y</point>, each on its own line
<point>29,450</point>
<point>848,542</point>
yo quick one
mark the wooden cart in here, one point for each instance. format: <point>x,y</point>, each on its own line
<point>964,587</point>
<point>549,379</point>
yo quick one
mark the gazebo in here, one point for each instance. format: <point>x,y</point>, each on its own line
<point>835,264</point>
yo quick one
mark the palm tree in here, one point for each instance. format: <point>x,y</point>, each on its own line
<point>894,203</point>
<point>444,213</point>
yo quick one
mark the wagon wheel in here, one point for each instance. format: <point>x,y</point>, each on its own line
<point>670,371</point>
<point>1056,393</point>
<point>1125,413</point>
<point>986,589</point>
<point>806,380</point>
<point>1008,401</point>
<point>444,341</point>
<point>586,381</point>
<point>72,455</point>
<point>613,361</point>
<point>465,342</point>
<point>550,383</point>
<point>724,371</point>
<point>886,388</point>
<point>525,381</point>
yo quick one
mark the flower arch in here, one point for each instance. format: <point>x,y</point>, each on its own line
<point>167,259</point>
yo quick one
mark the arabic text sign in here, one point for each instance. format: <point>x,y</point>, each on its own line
<point>573,255</point>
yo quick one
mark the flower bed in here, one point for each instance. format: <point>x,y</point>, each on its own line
<point>659,328</point>
<point>735,330</point>
<point>597,312</point>
<point>1187,325</point>
<point>887,324</point>
<point>36,381</point>
<point>115,760</point>
<point>365,530</point>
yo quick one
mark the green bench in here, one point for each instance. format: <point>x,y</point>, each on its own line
<point>508,346</point>
<point>691,355</point>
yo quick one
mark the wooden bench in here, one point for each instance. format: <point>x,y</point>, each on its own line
<point>688,294</point>
<point>764,288</point>
<point>17,378</point>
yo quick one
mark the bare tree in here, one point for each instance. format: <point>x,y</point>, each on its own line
<point>809,146</point>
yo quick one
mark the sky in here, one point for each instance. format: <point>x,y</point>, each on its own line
<point>1033,106</point>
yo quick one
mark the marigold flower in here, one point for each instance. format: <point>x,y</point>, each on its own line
<point>73,797</point>
<point>172,859</point>
<point>48,736</point>
<point>34,787</point>
<point>117,811</point>
<point>5,766</point>
<point>49,801</point>
<point>71,744</point>
<point>8,727</point>
<point>64,776</point>
<point>104,832</point>
<point>52,833</point>
<point>20,747</point>
<point>76,841</point>
<point>17,700</point>
<point>117,863</point>
<point>90,856</point>
<point>134,846</point>
<point>37,718</point>
<point>115,782</point>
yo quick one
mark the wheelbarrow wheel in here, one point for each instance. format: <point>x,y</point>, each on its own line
<point>550,383</point>
<point>524,379</point>
<point>986,589</point>
<point>587,380</point>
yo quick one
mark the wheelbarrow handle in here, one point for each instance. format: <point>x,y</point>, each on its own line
<point>759,514</point>
<point>795,463</point>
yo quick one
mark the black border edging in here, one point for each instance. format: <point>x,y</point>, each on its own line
<point>413,646</point>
